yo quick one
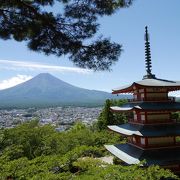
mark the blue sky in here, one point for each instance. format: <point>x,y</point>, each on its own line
<point>126,27</point>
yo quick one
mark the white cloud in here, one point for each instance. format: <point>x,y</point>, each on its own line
<point>14,81</point>
<point>19,65</point>
<point>174,93</point>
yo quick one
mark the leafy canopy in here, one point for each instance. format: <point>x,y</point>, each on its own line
<point>107,117</point>
<point>69,31</point>
<point>30,151</point>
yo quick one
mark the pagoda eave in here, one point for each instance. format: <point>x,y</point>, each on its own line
<point>149,83</point>
<point>120,109</point>
<point>148,107</point>
<point>142,110</point>
<point>146,130</point>
<point>124,131</point>
<point>122,155</point>
<point>133,155</point>
<point>124,89</point>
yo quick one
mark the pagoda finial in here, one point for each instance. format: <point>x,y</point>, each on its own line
<point>148,56</point>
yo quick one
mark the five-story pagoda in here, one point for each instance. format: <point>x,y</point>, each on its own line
<point>152,133</point>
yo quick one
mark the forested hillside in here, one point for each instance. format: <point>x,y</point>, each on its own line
<point>30,151</point>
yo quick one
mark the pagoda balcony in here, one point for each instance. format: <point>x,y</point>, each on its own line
<point>169,99</point>
<point>157,121</point>
<point>157,146</point>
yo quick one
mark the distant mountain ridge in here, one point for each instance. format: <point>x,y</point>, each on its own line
<point>47,90</point>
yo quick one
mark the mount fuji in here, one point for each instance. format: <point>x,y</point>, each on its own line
<point>46,90</point>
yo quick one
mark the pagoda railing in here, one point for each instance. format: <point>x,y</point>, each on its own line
<point>157,121</point>
<point>169,99</point>
<point>144,146</point>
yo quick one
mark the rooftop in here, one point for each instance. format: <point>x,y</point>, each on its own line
<point>145,83</point>
<point>149,80</point>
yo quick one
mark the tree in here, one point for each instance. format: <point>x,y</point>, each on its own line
<point>106,117</point>
<point>73,154</point>
<point>176,116</point>
<point>68,32</point>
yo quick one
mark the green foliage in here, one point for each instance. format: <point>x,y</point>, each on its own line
<point>106,117</point>
<point>94,169</point>
<point>62,32</point>
<point>117,161</point>
<point>176,116</point>
<point>30,151</point>
<point>29,138</point>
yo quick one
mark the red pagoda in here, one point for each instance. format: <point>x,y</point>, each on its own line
<point>152,134</point>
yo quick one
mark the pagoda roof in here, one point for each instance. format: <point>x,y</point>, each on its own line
<point>133,155</point>
<point>149,82</point>
<point>147,130</point>
<point>148,106</point>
